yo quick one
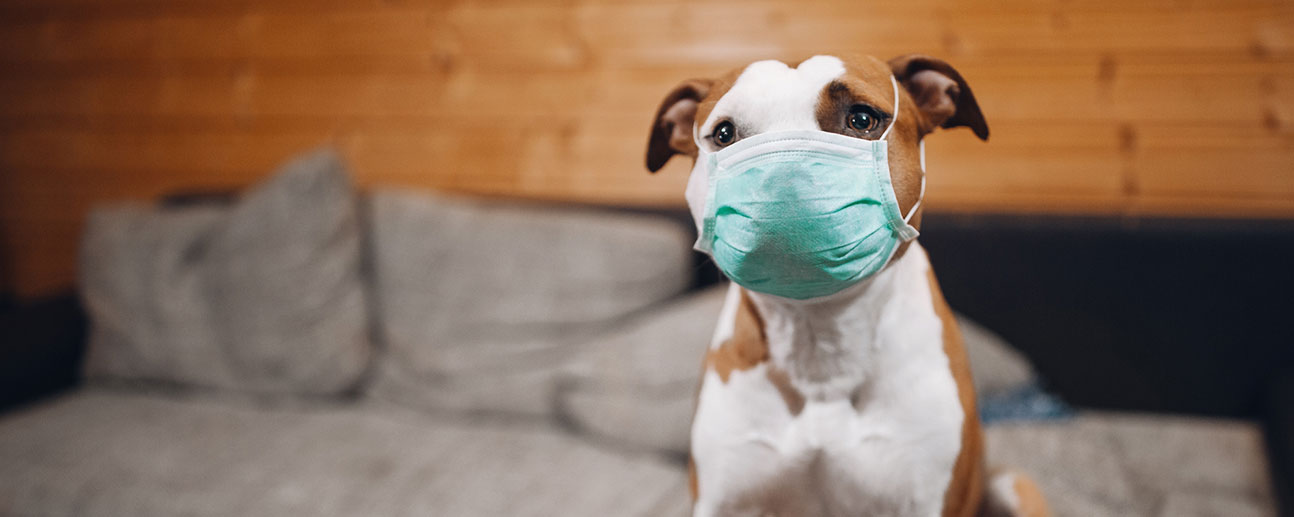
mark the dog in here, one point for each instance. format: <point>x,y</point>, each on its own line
<point>854,402</point>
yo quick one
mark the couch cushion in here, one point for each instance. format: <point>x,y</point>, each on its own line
<point>99,453</point>
<point>1136,464</point>
<point>264,296</point>
<point>482,303</point>
<point>106,454</point>
<point>637,384</point>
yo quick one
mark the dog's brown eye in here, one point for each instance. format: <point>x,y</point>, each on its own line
<point>862,118</point>
<point>725,133</point>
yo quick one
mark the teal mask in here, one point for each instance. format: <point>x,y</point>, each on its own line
<point>804,213</point>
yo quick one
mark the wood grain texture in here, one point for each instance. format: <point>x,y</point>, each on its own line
<point>1163,107</point>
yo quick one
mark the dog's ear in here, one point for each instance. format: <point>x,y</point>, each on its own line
<point>671,132</point>
<point>942,95</point>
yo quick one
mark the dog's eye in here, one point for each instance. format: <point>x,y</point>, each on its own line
<point>863,118</point>
<point>725,133</point>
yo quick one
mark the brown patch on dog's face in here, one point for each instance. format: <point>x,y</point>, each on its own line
<point>843,109</point>
<point>721,86</point>
<point>866,88</point>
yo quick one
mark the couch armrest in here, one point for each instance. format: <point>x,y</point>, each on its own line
<point>41,345</point>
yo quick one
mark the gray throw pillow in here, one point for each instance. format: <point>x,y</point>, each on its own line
<point>264,296</point>
<point>482,304</point>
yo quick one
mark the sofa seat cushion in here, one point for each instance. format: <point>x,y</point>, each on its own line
<point>123,454</point>
<point>1137,464</point>
<point>636,385</point>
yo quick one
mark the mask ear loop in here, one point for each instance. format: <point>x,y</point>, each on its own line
<point>921,197</point>
<point>895,83</point>
<point>920,145</point>
<point>908,233</point>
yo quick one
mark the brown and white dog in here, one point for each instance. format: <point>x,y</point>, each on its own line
<point>856,403</point>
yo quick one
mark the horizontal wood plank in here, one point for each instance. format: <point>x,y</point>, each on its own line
<point>571,36</point>
<point>1163,107</point>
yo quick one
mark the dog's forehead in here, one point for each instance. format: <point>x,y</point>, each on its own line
<point>771,95</point>
<point>777,78</point>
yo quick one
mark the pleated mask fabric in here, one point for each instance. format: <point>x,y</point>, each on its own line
<point>803,213</point>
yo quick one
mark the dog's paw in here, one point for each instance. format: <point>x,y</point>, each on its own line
<point>1012,494</point>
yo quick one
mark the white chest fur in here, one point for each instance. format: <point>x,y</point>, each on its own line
<point>880,427</point>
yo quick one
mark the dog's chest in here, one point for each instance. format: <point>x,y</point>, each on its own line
<point>875,438</point>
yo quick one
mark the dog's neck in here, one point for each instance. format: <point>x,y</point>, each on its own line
<point>829,346</point>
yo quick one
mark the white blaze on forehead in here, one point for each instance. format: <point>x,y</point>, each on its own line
<point>771,96</point>
<point>767,96</point>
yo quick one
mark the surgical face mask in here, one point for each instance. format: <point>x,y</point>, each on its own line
<point>804,213</point>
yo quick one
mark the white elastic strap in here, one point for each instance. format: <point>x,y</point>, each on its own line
<point>921,145</point>
<point>895,83</point>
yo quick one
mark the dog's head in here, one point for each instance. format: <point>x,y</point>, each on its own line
<point>849,96</point>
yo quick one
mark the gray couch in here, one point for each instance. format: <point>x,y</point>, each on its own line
<point>312,351</point>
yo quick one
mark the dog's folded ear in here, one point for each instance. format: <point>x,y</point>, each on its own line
<point>671,132</point>
<point>943,96</point>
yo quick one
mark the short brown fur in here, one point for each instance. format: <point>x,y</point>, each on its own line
<point>746,348</point>
<point>966,489</point>
<point>720,88</point>
<point>1032,502</point>
<point>792,397</point>
<point>869,79</point>
<point>691,478</point>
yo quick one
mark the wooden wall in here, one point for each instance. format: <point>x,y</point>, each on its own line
<point>1172,107</point>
